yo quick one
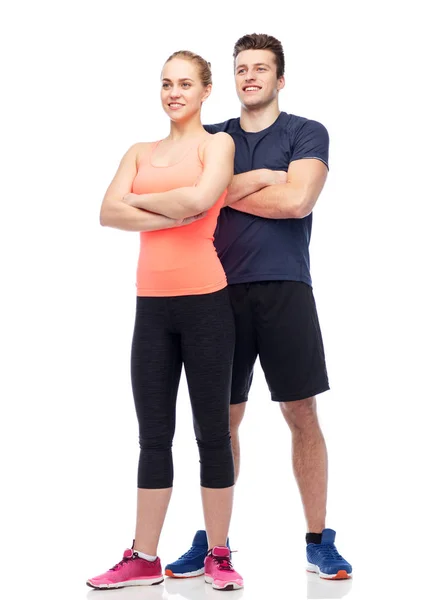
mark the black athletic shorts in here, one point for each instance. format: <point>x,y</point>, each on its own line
<point>277,321</point>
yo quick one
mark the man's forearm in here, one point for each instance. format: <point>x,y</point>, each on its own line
<point>248,183</point>
<point>293,198</point>
<point>274,202</point>
<point>125,217</point>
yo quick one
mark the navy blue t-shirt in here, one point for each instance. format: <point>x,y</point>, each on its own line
<point>255,248</point>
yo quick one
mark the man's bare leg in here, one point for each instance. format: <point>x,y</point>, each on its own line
<point>310,464</point>
<point>236,416</point>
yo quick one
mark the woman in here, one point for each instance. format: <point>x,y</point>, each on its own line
<point>172,191</point>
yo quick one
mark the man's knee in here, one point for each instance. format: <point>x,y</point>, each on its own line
<point>236,416</point>
<point>300,414</point>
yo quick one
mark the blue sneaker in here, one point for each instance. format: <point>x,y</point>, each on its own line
<point>324,559</point>
<point>192,563</point>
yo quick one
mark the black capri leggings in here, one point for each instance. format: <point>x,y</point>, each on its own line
<point>197,331</point>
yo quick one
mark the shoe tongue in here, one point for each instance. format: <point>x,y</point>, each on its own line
<point>128,553</point>
<point>221,551</point>
<point>200,539</point>
<point>328,536</point>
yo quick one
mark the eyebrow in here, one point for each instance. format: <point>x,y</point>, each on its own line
<point>182,79</point>
<point>261,64</point>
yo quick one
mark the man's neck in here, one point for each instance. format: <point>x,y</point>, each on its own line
<point>257,120</point>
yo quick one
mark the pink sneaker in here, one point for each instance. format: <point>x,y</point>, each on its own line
<point>219,570</point>
<point>132,570</point>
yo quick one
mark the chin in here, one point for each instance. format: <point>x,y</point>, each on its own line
<point>248,101</point>
<point>253,105</point>
<point>181,117</point>
<point>174,116</point>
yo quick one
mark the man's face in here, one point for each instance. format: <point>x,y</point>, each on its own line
<point>256,78</point>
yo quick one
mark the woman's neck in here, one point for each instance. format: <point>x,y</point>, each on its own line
<point>186,130</point>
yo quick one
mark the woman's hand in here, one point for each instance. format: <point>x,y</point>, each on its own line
<point>189,220</point>
<point>131,200</point>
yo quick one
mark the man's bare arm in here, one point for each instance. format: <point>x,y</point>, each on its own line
<point>250,182</point>
<point>292,200</point>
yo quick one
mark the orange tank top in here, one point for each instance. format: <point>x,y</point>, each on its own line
<point>182,260</point>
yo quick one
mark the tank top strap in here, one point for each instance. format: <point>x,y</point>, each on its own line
<point>191,151</point>
<point>153,147</point>
<point>200,148</point>
<point>146,157</point>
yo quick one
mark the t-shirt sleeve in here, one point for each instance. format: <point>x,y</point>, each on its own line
<point>311,141</point>
<point>213,128</point>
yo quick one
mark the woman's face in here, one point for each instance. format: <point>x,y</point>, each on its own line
<point>182,90</point>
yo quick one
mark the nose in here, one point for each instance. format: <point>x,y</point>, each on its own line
<point>175,93</point>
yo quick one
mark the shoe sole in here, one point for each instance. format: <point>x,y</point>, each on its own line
<point>230,585</point>
<point>342,574</point>
<point>169,573</point>
<point>117,586</point>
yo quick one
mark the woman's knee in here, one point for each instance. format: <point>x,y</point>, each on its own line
<point>159,443</point>
<point>216,464</point>
<point>155,467</point>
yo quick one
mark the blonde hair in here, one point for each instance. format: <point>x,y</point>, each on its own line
<point>203,66</point>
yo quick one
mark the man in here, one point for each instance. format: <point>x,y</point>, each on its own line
<point>262,239</point>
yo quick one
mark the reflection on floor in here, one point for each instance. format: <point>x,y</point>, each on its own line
<point>197,589</point>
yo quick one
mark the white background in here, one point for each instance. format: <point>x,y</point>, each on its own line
<point>81,84</point>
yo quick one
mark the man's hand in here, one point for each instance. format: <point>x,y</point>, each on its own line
<point>246,184</point>
<point>270,177</point>
<point>290,195</point>
<point>277,177</point>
